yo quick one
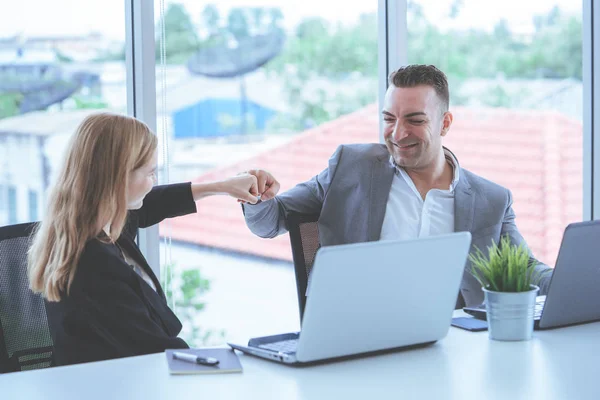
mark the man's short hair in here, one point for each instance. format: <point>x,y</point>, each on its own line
<point>417,74</point>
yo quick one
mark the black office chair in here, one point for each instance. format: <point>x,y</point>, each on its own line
<point>4,360</point>
<point>304,238</point>
<point>25,337</point>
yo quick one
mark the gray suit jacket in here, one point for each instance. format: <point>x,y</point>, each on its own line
<point>351,196</point>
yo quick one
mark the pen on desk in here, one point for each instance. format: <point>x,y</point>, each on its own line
<point>192,358</point>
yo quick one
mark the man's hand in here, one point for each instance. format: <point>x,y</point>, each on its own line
<point>267,185</point>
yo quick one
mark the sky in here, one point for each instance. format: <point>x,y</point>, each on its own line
<point>78,17</point>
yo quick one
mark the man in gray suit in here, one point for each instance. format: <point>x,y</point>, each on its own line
<point>409,187</point>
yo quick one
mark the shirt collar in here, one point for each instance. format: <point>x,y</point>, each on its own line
<point>449,157</point>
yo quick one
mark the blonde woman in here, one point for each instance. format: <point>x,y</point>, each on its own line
<point>103,300</point>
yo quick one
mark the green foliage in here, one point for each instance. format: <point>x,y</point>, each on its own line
<point>338,55</point>
<point>9,104</point>
<point>237,23</point>
<point>319,49</point>
<point>112,55</point>
<point>497,97</point>
<point>62,57</point>
<point>186,301</point>
<point>83,103</point>
<point>181,39</point>
<point>211,18</point>
<point>506,268</point>
<point>553,51</point>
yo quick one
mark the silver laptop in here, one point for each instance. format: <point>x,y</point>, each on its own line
<point>574,292</point>
<point>373,297</point>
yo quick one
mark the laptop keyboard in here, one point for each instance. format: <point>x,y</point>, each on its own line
<point>285,346</point>
<point>539,306</point>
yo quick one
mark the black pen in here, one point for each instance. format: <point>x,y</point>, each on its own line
<point>210,361</point>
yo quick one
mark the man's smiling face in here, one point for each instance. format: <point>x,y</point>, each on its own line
<point>413,125</point>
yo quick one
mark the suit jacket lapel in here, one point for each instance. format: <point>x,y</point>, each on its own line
<point>464,205</point>
<point>382,175</point>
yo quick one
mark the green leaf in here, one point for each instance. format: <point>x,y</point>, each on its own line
<point>506,268</point>
<point>185,289</point>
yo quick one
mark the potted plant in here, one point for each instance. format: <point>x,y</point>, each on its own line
<point>508,279</point>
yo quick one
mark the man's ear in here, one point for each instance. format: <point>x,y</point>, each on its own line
<point>446,122</point>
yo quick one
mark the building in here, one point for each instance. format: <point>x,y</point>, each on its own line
<point>29,145</point>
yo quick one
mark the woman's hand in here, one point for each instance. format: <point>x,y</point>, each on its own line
<point>243,187</point>
<point>247,187</point>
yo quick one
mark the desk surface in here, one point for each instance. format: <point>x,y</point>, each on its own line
<point>556,364</point>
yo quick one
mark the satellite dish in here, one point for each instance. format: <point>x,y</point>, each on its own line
<point>41,84</point>
<point>248,55</point>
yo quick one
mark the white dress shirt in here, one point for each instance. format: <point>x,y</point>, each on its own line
<point>137,268</point>
<point>408,216</point>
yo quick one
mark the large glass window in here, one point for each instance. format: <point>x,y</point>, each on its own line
<point>12,205</point>
<point>33,205</point>
<point>275,85</point>
<point>515,71</point>
<point>62,62</point>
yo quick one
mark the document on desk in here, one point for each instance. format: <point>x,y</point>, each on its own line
<point>228,361</point>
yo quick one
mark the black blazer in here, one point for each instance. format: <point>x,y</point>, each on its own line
<point>111,311</point>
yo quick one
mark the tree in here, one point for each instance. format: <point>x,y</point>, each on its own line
<point>276,17</point>
<point>318,61</point>
<point>317,49</point>
<point>455,8</point>
<point>10,104</point>
<point>61,57</point>
<point>181,38</point>
<point>187,302</point>
<point>211,19</point>
<point>312,28</point>
<point>111,55</point>
<point>554,49</point>
<point>258,15</point>
<point>237,24</point>
<point>502,31</point>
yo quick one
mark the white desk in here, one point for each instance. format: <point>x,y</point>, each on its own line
<point>557,364</point>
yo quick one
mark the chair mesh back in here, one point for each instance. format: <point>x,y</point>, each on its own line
<point>5,364</point>
<point>309,236</point>
<point>27,339</point>
<point>304,238</point>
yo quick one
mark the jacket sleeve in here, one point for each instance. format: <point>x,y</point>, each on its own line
<point>268,219</point>
<point>510,228</point>
<point>162,202</point>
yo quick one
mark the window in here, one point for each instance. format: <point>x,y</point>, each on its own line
<point>33,206</point>
<point>3,205</point>
<point>12,205</point>
<point>53,73</point>
<point>515,72</point>
<point>274,86</point>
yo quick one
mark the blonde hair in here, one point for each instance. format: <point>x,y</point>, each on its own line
<point>90,192</point>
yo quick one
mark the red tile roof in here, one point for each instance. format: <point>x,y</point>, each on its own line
<point>538,155</point>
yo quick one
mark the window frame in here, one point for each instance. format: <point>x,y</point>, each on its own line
<point>141,93</point>
<point>591,110</point>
